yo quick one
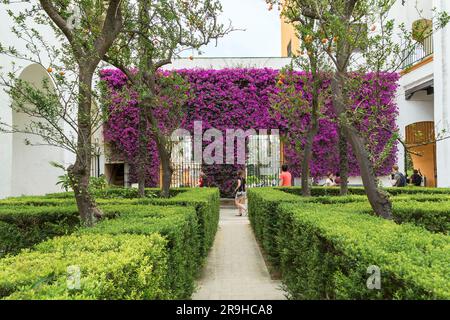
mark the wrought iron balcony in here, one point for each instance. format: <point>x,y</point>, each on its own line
<point>420,52</point>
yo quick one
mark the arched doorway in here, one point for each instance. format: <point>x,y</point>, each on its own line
<point>421,142</point>
<point>31,169</point>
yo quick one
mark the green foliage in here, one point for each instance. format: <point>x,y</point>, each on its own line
<point>326,256</point>
<point>187,221</point>
<point>334,191</point>
<point>323,245</point>
<point>23,226</point>
<point>64,182</point>
<point>11,238</point>
<point>433,214</point>
<point>112,267</point>
<point>176,224</point>
<point>263,215</point>
<point>97,183</point>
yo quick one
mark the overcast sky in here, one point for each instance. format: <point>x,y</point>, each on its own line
<point>261,37</point>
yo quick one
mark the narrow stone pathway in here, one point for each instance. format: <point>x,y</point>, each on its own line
<point>235,268</point>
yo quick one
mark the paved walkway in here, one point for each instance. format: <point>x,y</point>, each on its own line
<point>235,269</point>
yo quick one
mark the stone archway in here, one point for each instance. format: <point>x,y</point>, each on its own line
<point>31,170</point>
<point>421,141</point>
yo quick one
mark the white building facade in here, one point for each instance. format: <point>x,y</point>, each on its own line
<point>423,97</point>
<point>24,170</point>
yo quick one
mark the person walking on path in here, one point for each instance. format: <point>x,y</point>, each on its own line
<point>241,193</point>
<point>285,177</point>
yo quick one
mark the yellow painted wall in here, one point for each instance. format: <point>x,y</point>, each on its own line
<point>288,34</point>
<point>420,137</point>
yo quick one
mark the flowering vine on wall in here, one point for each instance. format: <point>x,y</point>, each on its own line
<point>241,98</point>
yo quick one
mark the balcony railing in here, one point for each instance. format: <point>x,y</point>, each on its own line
<point>420,52</point>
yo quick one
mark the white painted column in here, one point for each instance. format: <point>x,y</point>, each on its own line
<point>126,177</point>
<point>5,148</point>
<point>442,96</point>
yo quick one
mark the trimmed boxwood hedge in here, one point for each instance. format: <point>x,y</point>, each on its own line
<point>187,223</point>
<point>326,256</point>
<point>206,202</point>
<point>23,226</point>
<point>39,218</point>
<point>263,214</point>
<point>433,216</point>
<point>176,224</point>
<point>112,267</point>
<point>334,191</point>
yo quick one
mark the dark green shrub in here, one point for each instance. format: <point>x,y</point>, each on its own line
<point>334,191</point>
<point>112,267</point>
<point>177,224</point>
<point>24,226</point>
<point>433,216</point>
<point>11,238</point>
<point>263,215</point>
<point>326,256</point>
<point>204,200</point>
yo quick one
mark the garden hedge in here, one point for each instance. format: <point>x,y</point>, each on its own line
<point>112,267</point>
<point>23,226</point>
<point>326,256</point>
<point>334,191</point>
<point>263,214</point>
<point>433,216</point>
<point>186,224</point>
<point>176,224</point>
<point>59,214</point>
<point>206,202</point>
<point>431,211</point>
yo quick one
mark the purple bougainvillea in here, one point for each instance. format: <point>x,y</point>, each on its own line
<point>241,98</point>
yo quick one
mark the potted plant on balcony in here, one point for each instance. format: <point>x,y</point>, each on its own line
<point>421,29</point>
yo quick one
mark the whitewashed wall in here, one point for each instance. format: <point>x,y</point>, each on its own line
<point>25,169</point>
<point>223,63</point>
<point>442,96</point>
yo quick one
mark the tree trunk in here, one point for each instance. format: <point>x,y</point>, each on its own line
<point>307,155</point>
<point>343,162</point>
<point>167,171</point>
<point>162,144</point>
<point>79,172</point>
<point>379,199</point>
<point>142,153</point>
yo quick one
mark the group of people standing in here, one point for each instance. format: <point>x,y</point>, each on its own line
<point>333,180</point>
<point>240,192</point>
<point>400,180</point>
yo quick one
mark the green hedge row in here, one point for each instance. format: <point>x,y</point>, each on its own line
<point>111,267</point>
<point>179,225</point>
<point>263,215</point>
<point>186,222</point>
<point>334,191</point>
<point>206,202</point>
<point>326,255</point>
<point>119,192</point>
<point>38,218</point>
<point>429,211</point>
<point>23,226</point>
<point>433,216</point>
